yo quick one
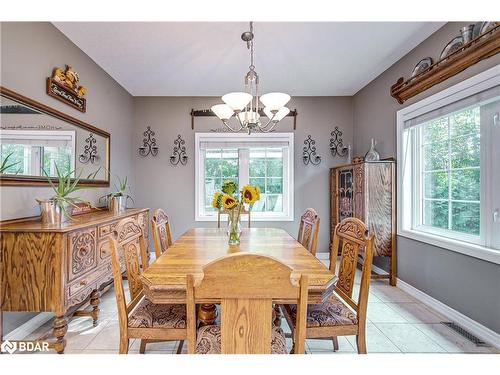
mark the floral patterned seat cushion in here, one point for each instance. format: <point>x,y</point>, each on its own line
<point>332,312</point>
<point>208,340</point>
<point>150,315</point>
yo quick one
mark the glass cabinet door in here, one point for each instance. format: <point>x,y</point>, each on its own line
<point>345,194</point>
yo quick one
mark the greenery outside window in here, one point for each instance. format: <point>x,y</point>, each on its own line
<point>448,175</point>
<point>264,160</point>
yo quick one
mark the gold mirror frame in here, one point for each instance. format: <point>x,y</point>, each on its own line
<point>13,180</point>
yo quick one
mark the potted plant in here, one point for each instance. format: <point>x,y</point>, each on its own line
<point>233,202</point>
<point>55,209</point>
<point>117,200</point>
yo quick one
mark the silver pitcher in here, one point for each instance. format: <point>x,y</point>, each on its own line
<point>51,212</point>
<point>117,204</point>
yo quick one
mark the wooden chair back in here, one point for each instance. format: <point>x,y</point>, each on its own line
<point>354,240</point>
<point>162,237</point>
<point>127,242</point>
<point>246,284</point>
<point>224,212</point>
<point>308,230</point>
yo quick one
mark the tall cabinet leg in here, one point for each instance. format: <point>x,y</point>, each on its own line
<point>59,330</point>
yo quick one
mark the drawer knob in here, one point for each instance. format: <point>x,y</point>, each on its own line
<point>83,282</point>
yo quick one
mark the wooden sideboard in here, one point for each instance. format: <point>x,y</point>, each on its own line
<point>57,268</point>
<point>367,191</point>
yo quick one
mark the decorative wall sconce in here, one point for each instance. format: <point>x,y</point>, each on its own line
<point>149,143</point>
<point>337,147</point>
<point>179,154</point>
<point>89,151</point>
<point>309,153</point>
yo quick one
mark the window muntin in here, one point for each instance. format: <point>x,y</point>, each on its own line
<point>450,172</point>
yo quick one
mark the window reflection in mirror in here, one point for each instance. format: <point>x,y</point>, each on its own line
<point>31,153</point>
<point>35,143</point>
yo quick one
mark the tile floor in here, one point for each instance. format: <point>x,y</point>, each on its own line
<point>397,323</point>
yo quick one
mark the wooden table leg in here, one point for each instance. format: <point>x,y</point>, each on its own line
<point>207,314</point>
<point>60,328</point>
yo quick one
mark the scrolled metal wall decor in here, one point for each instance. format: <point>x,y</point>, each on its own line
<point>149,143</point>
<point>179,154</point>
<point>337,147</point>
<point>89,151</point>
<point>309,152</point>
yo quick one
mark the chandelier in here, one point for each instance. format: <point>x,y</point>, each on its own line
<point>245,105</point>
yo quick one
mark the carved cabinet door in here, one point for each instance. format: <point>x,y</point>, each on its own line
<point>82,252</point>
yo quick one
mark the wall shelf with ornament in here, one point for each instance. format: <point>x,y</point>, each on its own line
<point>209,113</point>
<point>483,46</point>
<point>64,85</point>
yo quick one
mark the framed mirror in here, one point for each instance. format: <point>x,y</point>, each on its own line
<point>36,141</point>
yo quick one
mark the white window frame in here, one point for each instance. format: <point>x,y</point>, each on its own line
<point>483,81</point>
<point>45,135</point>
<point>288,175</point>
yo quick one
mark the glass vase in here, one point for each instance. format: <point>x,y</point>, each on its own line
<point>234,227</point>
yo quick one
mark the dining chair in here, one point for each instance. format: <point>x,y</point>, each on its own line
<point>246,285</point>
<point>340,315</point>
<point>308,230</point>
<point>162,237</point>
<point>224,212</point>
<point>140,318</point>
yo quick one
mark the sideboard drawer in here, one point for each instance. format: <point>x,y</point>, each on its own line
<point>82,252</point>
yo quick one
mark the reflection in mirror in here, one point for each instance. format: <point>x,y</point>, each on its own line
<point>31,153</point>
<point>35,140</point>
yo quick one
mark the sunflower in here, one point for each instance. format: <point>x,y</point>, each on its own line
<point>249,194</point>
<point>228,201</point>
<point>216,200</point>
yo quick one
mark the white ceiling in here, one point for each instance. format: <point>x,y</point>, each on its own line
<point>210,59</point>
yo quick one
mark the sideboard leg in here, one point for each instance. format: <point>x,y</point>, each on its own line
<point>60,328</point>
<point>94,302</point>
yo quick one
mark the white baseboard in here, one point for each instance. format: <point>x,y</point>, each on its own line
<point>29,327</point>
<point>477,329</point>
<point>484,333</point>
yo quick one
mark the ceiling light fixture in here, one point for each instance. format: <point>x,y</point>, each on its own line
<point>245,105</point>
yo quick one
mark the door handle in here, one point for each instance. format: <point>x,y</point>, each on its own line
<point>496,216</point>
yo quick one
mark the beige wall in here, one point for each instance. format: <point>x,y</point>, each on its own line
<point>467,284</point>
<point>172,187</point>
<point>29,52</point>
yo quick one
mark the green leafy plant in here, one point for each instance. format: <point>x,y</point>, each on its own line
<point>66,185</point>
<point>6,166</point>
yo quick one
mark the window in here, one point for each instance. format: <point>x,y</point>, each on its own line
<point>33,152</point>
<point>265,160</point>
<point>449,174</point>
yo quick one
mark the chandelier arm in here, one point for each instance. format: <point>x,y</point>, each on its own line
<point>266,130</point>
<point>226,124</point>
<point>262,128</point>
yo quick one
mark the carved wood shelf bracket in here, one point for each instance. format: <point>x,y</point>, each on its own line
<point>480,48</point>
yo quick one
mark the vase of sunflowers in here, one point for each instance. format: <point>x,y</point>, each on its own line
<point>233,202</point>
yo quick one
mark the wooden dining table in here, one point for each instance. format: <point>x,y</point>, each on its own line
<point>164,281</point>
